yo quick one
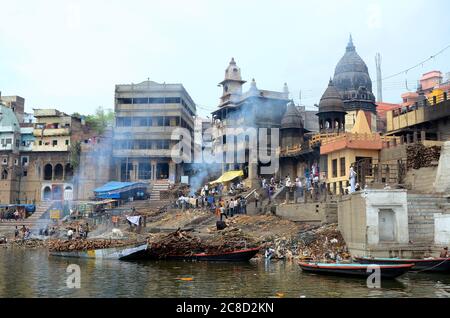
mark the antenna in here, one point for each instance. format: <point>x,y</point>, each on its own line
<point>300,97</point>
<point>379,80</point>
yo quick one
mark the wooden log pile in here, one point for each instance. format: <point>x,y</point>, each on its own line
<point>83,245</point>
<point>419,156</point>
<point>180,243</point>
<point>322,244</point>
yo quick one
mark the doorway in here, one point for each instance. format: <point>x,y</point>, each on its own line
<point>386,225</point>
<point>162,171</point>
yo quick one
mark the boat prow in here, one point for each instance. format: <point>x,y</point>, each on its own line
<point>128,252</point>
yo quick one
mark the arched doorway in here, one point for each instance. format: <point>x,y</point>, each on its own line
<point>59,172</point>
<point>68,193</point>
<point>48,172</point>
<point>47,193</point>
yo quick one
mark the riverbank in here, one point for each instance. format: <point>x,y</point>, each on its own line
<point>289,240</point>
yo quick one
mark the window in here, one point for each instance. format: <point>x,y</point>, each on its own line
<point>342,162</point>
<point>8,141</point>
<point>16,162</point>
<point>40,142</point>
<point>334,168</point>
<point>5,161</point>
<point>67,142</point>
<point>25,173</point>
<point>25,161</point>
<point>55,143</point>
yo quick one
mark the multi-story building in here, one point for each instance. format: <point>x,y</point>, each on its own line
<point>47,171</point>
<point>9,154</point>
<point>16,103</point>
<point>146,116</point>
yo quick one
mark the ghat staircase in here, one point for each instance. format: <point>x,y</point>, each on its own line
<point>157,187</point>
<point>34,222</point>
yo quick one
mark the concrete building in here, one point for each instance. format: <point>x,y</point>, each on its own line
<point>146,116</point>
<point>9,154</point>
<point>95,168</point>
<point>47,172</point>
<point>348,148</point>
<point>16,103</point>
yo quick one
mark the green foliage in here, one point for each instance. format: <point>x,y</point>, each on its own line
<point>75,151</point>
<point>100,120</point>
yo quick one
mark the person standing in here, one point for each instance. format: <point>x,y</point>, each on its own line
<point>231,209</point>
<point>16,233</point>
<point>444,253</point>
<point>256,195</point>
<point>86,230</point>
<point>352,177</point>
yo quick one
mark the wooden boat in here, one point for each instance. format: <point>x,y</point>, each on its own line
<point>234,256</point>
<point>355,270</point>
<point>128,252</point>
<point>425,265</point>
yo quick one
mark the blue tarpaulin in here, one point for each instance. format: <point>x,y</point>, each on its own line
<point>119,190</point>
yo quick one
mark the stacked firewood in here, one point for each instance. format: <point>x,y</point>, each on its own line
<point>230,239</point>
<point>181,243</point>
<point>419,156</point>
<point>83,245</point>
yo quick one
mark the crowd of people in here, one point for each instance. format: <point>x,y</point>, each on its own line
<point>23,233</point>
<point>215,199</point>
<point>81,231</point>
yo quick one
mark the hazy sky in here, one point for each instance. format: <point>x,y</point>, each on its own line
<point>70,54</point>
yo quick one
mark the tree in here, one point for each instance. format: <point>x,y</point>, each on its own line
<point>100,120</point>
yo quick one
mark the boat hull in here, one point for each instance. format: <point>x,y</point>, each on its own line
<point>130,252</point>
<point>235,256</point>
<point>352,270</point>
<point>426,265</point>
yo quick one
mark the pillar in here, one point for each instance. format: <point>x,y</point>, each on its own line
<point>253,174</point>
<point>172,172</point>
<point>423,135</point>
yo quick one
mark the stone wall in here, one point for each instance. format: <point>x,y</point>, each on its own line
<point>442,229</point>
<point>442,181</point>
<point>362,224</point>
<point>421,180</point>
<point>320,213</point>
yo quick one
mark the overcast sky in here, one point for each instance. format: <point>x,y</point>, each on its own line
<point>69,54</point>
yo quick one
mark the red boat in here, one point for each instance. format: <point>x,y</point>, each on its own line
<point>355,270</point>
<point>234,256</point>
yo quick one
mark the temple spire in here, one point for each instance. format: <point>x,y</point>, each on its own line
<point>350,46</point>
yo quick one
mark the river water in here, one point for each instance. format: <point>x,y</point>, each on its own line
<point>31,273</point>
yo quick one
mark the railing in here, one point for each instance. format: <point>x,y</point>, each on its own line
<point>318,138</point>
<point>427,102</point>
<point>369,171</point>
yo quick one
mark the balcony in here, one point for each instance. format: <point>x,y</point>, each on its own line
<point>137,153</point>
<point>51,132</point>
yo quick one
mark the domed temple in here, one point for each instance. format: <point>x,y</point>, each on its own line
<point>331,111</point>
<point>352,80</point>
